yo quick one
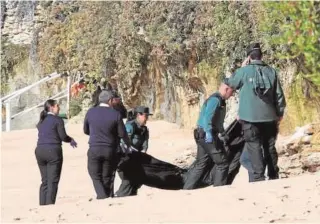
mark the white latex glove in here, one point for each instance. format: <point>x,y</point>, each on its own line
<point>133,149</point>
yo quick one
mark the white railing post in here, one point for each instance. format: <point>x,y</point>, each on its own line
<point>1,116</point>
<point>68,96</point>
<point>8,116</point>
<point>20,91</point>
<point>7,100</point>
<point>40,104</point>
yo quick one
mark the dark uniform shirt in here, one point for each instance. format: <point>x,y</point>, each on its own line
<point>212,114</point>
<point>51,132</point>
<point>105,127</point>
<point>139,135</point>
<point>252,107</point>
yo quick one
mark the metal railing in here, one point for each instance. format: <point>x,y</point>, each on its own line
<point>7,99</point>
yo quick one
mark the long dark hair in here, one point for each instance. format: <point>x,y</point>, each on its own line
<point>44,113</point>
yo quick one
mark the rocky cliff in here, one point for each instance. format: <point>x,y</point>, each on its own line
<point>169,56</point>
<point>21,26</point>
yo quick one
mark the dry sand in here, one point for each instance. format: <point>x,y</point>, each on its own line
<point>287,200</point>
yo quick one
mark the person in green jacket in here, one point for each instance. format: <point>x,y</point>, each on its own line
<point>137,129</point>
<point>210,149</point>
<point>261,108</point>
<point>139,138</point>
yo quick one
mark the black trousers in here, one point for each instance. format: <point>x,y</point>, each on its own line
<point>127,187</point>
<point>234,165</point>
<point>209,156</point>
<point>260,140</point>
<point>102,165</point>
<point>50,165</point>
<point>216,152</point>
<point>204,163</point>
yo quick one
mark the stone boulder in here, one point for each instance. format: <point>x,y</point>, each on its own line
<point>300,152</point>
<point>311,162</point>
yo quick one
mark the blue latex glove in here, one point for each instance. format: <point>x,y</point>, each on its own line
<point>209,137</point>
<point>73,143</point>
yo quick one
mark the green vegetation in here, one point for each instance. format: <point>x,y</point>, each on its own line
<point>295,35</point>
<point>140,44</point>
<point>75,107</point>
<point>11,57</point>
<point>300,33</point>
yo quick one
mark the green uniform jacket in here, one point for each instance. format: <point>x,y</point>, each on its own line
<point>212,114</point>
<point>139,135</point>
<point>252,108</point>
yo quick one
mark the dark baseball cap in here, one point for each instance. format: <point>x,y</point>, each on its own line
<point>142,110</point>
<point>252,47</point>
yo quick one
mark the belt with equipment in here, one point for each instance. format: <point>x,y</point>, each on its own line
<point>199,133</point>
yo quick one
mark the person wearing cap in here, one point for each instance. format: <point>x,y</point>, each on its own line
<point>103,85</point>
<point>210,148</point>
<point>261,108</point>
<point>137,129</point>
<point>139,138</point>
<point>116,103</point>
<point>105,127</point>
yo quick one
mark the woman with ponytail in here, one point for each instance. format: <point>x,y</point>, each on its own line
<point>51,134</point>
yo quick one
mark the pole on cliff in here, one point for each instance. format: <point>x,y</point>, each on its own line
<point>68,96</point>
<point>8,116</point>
<point>2,115</point>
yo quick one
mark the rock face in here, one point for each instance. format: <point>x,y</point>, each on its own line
<point>18,20</point>
<point>300,152</point>
<point>21,24</point>
<point>168,56</point>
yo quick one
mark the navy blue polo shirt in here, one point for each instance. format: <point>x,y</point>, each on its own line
<point>51,132</point>
<point>105,127</point>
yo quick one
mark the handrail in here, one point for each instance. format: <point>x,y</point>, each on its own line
<point>38,105</point>
<point>31,108</point>
<point>7,99</point>
<point>20,91</point>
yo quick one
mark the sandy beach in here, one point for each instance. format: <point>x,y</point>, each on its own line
<point>285,201</point>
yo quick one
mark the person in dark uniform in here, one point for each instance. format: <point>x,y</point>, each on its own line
<point>116,103</point>
<point>104,85</point>
<point>202,171</point>
<point>51,134</point>
<point>210,148</point>
<point>105,127</point>
<point>139,138</point>
<point>95,96</point>
<point>137,130</point>
<point>261,108</point>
